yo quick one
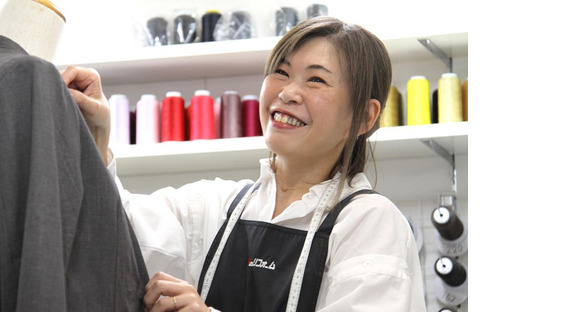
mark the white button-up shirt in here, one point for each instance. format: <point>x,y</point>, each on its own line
<point>372,264</point>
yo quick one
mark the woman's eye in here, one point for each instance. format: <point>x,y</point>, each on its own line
<point>317,79</point>
<point>281,72</point>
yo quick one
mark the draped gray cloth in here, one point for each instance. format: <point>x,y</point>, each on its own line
<point>65,241</point>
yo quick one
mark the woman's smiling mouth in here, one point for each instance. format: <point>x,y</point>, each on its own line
<point>287,119</point>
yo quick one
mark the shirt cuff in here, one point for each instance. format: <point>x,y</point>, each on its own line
<point>112,166</point>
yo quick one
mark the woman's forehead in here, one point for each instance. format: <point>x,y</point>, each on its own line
<point>315,52</point>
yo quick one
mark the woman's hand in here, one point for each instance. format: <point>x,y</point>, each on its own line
<point>85,87</point>
<point>167,293</point>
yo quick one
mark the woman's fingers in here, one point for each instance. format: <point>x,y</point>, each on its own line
<point>84,85</point>
<point>167,293</point>
<point>162,284</point>
<point>86,80</point>
<point>157,289</point>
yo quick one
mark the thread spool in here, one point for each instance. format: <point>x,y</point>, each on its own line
<point>315,10</point>
<point>217,114</point>
<point>451,232</point>
<point>240,25</point>
<point>452,287</point>
<point>120,120</point>
<point>209,21</point>
<point>418,111</point>
<point>435,107</point>
<point>133,126</point>
<point>184,29</point>
<point>390,115</point>
<point>231,115</point>
<point>449,98</point>
<point>201,116</point>
<point>147,131</point>
<point>401,117</point>
<point>464,95</point>
<point>157,31</point>
<point>251,116</point>
<point>286,18</point>
<point>172,117</point>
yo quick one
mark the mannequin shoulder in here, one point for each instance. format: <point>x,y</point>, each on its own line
<point>22,66</point>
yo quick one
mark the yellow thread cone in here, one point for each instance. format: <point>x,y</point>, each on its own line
<point>465,100</point>
<point>449,99</point>
<point>418,111</point>
<point>390,114</point>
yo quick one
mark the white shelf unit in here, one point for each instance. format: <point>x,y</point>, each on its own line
<point>240,153</point>
<point>228,58</point>
<point>150,65</point>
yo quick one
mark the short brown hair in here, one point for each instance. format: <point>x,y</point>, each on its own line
<point>365,61</point>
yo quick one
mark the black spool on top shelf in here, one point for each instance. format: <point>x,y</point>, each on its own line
<point>240,25</point>
<point>185,29</point>
<point>209,21</point>
<point>286,18</point>
<point>317,10</point>
<point>157,28</point>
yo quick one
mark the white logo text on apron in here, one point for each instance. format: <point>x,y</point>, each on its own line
<point>260,263</point>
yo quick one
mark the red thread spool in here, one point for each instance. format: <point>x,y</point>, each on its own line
<point>201,116</point>
<point>251,116</point>
<point>231,115</point>
<point>172,117</point>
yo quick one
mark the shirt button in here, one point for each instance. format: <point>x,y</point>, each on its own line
<point>368,264</point>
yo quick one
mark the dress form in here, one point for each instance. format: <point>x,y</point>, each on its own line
<point>36,25</point>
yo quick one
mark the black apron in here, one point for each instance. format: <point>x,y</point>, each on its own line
<point>257,264</point>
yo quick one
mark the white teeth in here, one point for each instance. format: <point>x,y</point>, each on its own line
<point>279,117</point>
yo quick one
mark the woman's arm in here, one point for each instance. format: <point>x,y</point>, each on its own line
<point>84,85</point>
<point>373,263</point>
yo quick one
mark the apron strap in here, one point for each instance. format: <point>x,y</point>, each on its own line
<point>328,223</point>
<point>239,197</point>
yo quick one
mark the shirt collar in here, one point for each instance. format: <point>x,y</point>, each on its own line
<point>359,181</point>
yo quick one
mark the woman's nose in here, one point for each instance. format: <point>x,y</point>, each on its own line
<point>291,94</point>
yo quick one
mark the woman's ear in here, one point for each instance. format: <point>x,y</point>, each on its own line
<point>373,112</point>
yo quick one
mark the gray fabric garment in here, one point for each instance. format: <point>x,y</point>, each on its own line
<point>65,241</point>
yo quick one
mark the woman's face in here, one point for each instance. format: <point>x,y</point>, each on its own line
<point>305,104</point>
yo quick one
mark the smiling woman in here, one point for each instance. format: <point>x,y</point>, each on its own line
<point>308,85</point>
<point>310,234</point>
<point>325,65</point>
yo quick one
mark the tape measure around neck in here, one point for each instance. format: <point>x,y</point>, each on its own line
<point>323,205</point>
<point>229,227</point>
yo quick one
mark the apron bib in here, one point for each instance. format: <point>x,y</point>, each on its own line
<point>255,270</point>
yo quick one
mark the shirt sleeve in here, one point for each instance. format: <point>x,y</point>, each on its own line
<point>176,226</point>
<point>373,263</point>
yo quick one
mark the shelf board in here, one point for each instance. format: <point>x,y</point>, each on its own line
<point>225,58</point>
<point>243,153</point>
